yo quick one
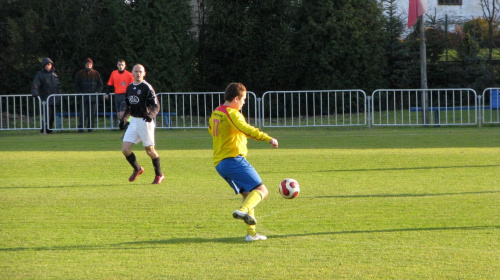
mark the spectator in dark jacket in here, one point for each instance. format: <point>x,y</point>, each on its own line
<point>88,80</point>
<point>47,82</point>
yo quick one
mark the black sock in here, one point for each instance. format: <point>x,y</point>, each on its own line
<point>156,164</point>
<point>132,160</point>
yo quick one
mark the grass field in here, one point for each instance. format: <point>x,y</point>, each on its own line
<point>483,53</point>
<point>405,203</point>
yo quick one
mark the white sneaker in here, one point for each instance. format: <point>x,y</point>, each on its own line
<point>249,220</point>
<point>257,236</point>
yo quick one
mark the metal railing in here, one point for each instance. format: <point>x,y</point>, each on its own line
<point>185,110</point>
<point>82,111</point>
<point>314,108</point>
<point>193,109</point>
<point>419,107</point>
<point>490,111</point>
<point>96,111</point>
<point>20,111</point>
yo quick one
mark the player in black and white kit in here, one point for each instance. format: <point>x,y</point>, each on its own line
<point>142,107</point>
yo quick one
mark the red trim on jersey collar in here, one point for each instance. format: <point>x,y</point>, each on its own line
<point>223,109</point>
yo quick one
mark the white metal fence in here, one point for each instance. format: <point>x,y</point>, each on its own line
<point>20,111</point>
<point>83,111</point>
<point>95,111</point>
<point>490,111</point>
<point>193,109</point>
<point>416,107</point>
<point>384,107</point>
<point>314,108</point>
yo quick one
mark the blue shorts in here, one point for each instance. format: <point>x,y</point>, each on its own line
<point>239,174</point>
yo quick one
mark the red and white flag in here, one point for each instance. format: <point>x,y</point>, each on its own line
<point>416,9</point>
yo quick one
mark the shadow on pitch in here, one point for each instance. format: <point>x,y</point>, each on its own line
<point>73,186</point>
<point>386,231</point>
<point>410,168</point>
<point>149,244</point>
<point>404,194</point>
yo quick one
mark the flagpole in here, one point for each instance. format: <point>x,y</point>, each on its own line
<point>423,72</point>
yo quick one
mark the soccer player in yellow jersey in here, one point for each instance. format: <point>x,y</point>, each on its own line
<point>230,131</point>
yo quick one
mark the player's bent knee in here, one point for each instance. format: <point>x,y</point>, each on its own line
<point>150,150</point>
<point>126,149</point>
<point>263,190</point>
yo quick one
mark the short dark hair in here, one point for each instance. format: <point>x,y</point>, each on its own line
<point>233,90</point>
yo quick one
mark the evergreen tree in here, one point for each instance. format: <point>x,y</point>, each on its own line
<point>401,69</point>
<point>340,44</point>
<point>155,33</point>
<point>68,31</point>
<point>247,41</point>
<point>160,35</point>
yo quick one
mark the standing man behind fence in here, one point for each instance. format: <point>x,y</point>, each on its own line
<point>47,82</point>
<point>119,80</point>
<point>88,80</point>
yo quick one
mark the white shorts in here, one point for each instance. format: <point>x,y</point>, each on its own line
<point>139,130</point>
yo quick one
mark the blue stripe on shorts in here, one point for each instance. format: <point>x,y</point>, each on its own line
<point>239,174</point>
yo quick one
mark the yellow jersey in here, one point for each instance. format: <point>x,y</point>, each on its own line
<point>230,131</point>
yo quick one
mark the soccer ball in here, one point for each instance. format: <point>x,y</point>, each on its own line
<point>289,188</point>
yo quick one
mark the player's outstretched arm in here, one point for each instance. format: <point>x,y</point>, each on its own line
<point>274,142</point>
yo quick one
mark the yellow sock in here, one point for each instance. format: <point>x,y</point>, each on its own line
<point>251,229</point>
<point>253,198</point>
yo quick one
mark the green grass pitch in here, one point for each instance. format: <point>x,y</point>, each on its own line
<point>383,203</point>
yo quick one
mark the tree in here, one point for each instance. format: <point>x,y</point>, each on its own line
<point>155,33</point>
<point>490,10</point>
<point>25,42</point>
<point>67,31</point>
<point>402,70</point>
<point>247,41</point>
<point>160,35</point>
<point>340,44</point>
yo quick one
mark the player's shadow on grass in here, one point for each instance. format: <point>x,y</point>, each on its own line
<point>69,186</point>
<point>409,168</point>
<point>403,194</point>
<point>386,231</point>
<point>152,244</point>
